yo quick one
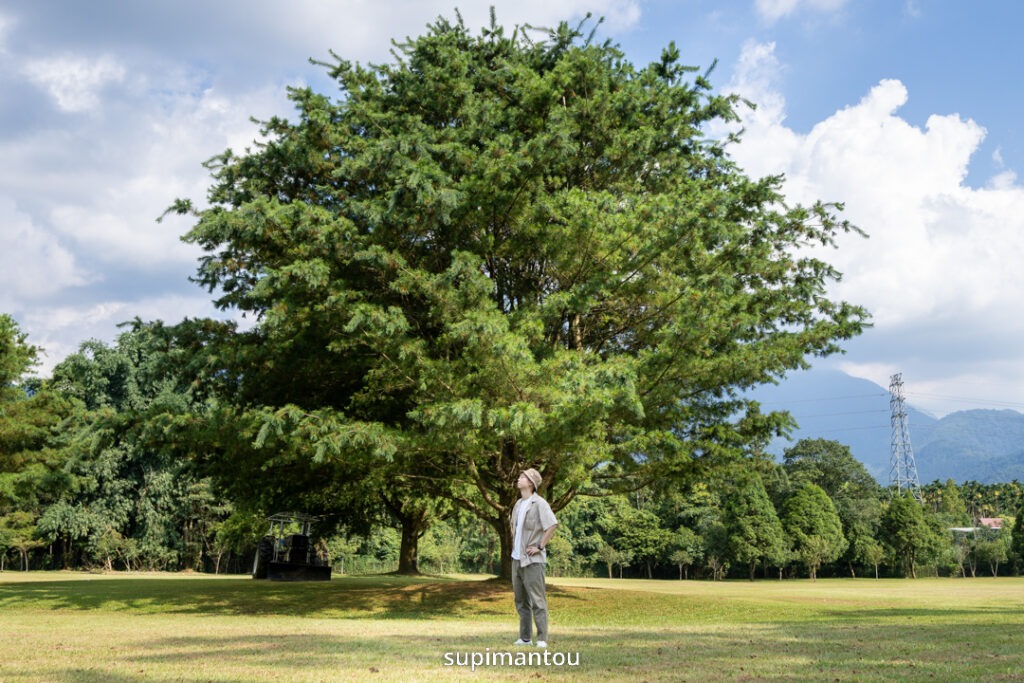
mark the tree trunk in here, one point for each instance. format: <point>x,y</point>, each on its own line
<point>753,568</point>
<point>412,529</point>
<point>504,532</point>
<point>853,574</point>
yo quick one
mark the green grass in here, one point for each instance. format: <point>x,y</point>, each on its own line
<point>82,627</point>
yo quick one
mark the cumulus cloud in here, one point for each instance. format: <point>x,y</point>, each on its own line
<point>941,256</point>
<point>157,158</point>
<point>80,248</point>
<point>114,108</point>
<point>33,263</point>
<point>59,330</point>
<point>75,82</point>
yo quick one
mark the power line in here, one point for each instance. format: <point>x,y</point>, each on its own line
<point>963,399</point>
<point>852,412</point>
<point>823,398</point>
<point>854,429</point>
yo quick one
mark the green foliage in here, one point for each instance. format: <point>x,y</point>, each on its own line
<point>751,525</point>
<point>986,500</point>
<point>829,465</point>
<point>813,525</point>
<point>952,506</point>
<point>35,429</point>
<point>638,534</point>
<point>993,549</point>
<point>856,495</point>
<point>1016,551</point>
<point>908,533</point>
<point>17,357</point>
<point>561,560</point>
<point>440,548</point>
<point>872,552</point>
<point>131,497</point>
<point>687,550</point>
<point>612,556</point>
<point>342,549</point>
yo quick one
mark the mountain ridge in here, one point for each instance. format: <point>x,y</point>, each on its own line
<point>984,445</point>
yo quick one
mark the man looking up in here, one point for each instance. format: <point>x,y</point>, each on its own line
<point>533,524</point>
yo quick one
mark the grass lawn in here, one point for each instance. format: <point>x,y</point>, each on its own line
<point>84,627</point>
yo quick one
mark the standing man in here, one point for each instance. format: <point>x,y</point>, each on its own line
<point>533,525</point>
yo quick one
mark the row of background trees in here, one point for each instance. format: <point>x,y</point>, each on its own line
<point>95,473</point>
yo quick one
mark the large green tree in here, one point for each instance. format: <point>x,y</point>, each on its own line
<point>517,249</point>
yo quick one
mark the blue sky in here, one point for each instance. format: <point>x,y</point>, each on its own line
<point>908,111</point>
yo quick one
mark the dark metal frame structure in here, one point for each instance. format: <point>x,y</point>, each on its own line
<point>284,556</point>
<point>902,464</point>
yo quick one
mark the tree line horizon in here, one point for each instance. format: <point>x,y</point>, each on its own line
<point>501,250</point>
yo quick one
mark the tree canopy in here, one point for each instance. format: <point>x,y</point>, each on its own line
<point>514,249</point>
<point>809,517</point>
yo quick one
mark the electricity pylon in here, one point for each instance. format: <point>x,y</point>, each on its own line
<point>902,466</point>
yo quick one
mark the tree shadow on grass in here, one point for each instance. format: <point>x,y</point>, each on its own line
<point>918,614</point>
<point>363,597</point>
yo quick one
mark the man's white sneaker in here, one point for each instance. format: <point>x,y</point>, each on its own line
<point>521,642</point>
<point>542,644</point>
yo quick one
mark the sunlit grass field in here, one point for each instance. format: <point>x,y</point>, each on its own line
<point>128,627</point>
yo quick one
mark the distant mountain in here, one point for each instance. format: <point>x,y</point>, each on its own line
<point>983,445</point>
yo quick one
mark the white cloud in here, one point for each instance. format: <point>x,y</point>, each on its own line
<point>879,373</point>
<point>75,82</point>
<point>59,330</point>
<point>937,246</point>
<point>33,263</point>
<point>89,190</point>
<point>114,219</point>
<point>101,184</point>
<point>942,257</point>
<point>773,10</point>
